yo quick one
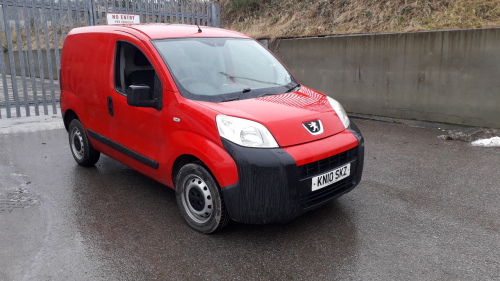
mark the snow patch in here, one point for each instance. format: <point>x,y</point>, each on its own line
<point>479,137</point>
<point>491,142</point>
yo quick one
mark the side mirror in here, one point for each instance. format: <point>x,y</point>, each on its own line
<point>142,96</point>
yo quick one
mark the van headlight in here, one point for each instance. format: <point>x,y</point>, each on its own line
<point>340,111</point>
<point>245,132</point>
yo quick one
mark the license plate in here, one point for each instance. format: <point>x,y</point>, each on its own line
<point>330,177</point>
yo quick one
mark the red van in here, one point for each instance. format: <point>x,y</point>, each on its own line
<point>211,113</point>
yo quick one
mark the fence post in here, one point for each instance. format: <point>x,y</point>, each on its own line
<point>10,48</point>
<point>90,6</point>
<point>215,14</point>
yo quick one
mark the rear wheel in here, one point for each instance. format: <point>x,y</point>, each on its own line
<point>83,152</point>
<point>200,199</point>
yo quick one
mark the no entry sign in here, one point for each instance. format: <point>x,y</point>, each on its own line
<point>122,18</point>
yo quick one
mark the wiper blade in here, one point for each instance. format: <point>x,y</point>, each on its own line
<point>294,88</point>
<point>233,78</point>
<point>246,90</point>
<point>231,99</point>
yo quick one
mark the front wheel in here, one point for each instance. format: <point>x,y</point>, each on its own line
<point>81,148</point>
<point>199,199</point>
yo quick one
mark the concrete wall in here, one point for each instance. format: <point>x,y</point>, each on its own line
<point>443,76</point>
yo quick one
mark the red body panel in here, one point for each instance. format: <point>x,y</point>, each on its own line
<point>284,115</point>
<point>317,150</point>
<point>81,83</point>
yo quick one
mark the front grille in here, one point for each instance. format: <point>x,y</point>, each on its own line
<point>327,164</point>
<point>310,198</point>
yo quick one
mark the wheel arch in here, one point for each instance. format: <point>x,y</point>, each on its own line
<point>189,147</point>
<point>185,159</point>
<point>69,115</point>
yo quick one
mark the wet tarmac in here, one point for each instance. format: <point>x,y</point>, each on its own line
<point>426,209</point>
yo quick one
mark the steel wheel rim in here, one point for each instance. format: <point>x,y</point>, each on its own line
<point>77,143</point>
<point>197,199</point>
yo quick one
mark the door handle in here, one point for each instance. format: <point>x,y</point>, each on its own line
<point>110,106</point>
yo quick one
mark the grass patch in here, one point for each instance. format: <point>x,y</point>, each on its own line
<point>53,32</point>
<point>278,18</point>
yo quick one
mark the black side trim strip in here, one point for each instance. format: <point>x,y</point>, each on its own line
<point>130,153</point>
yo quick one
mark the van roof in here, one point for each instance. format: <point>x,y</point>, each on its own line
<point>162,30</point>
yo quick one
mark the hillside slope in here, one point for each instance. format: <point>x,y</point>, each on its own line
<point>289,18</point>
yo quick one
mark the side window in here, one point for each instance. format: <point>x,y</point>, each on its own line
<point>133,68</point>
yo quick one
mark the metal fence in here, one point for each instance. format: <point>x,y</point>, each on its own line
<point>32,33</point>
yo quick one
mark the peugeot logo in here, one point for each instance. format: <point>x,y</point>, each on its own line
<point>314,127</point>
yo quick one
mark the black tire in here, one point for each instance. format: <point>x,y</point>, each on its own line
<point>199,199</point>
<point>83,152</point>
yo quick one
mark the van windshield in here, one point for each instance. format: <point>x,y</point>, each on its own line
<point>223,69</point>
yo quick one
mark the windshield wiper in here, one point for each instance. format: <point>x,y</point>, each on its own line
<point>294,88</point>
<point>230,99</point>
<point>233,78</point>
<point>246,90</point>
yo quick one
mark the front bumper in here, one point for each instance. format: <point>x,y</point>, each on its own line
<point>272,188</point>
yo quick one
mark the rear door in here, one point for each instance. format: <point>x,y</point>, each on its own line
<point>84,69</point>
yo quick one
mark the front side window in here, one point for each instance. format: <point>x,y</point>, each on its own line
<point>223,69</point>
<point>133,68</point>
